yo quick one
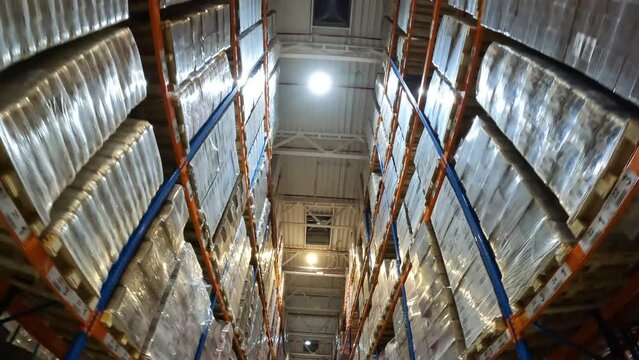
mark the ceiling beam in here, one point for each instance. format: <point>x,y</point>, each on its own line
<point>318,273</point>
<point>309,356</point>
<point>315,291</point>
<point>312,311</point>
<point>294,249</point>
<point>310,334</point>
<point>304,152</point>
<point>318,200</point>
<point>325,226</point>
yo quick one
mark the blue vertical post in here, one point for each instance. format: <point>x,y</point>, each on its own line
<point>409,331</point>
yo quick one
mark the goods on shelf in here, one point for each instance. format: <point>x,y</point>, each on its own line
<point>250,13</point>
<point>200,95</point>
<point>54,119</point>
<point>235,272</point>
<point>224,236</point>
<point>415,199</point>
<point>273,101</point>
<point>214,170</point>
<point>183,314</point>
<point>251,50</point>
<point>254,128</point>
<point>576,138</point>
<point>386,110</point>
<point>271,34</point>
<point>373,189</point>
<point>21,338</point>
<point>95,215</point>
<point>192,38</point>
<point>440,106</point>
<point>140,289</point>
<point>436,330</point>
<point>469,6</point>
<point>382,145</point>
<point>29,28</point>
<point>591,36</point>
<point>453,49</point>
<point>219,341</point>
<point>411,53</point>
<point>252,92</point>
<point>387,282</point>
<point>257,154</point>
<point>275,48</point>
<point>404,232</point>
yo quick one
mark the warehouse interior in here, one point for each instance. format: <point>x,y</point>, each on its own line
<point>319,179</point>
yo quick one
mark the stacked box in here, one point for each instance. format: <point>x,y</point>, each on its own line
<point>386,110</point>
<point>236,269</point>
<point>401,134</point>
<point>382,144</point>
<point>441,105</point>
<point>137,297</point>
<point>254,125</point>
<point>197,98</point>
<point>30,28</point>
<point>271,21</point>
<point>590,35</point>
<point>516,212</point>
<point>61,115</point>
<point>426,160</point>
<point>415,201</point>
<point>214,170</point>
<point>94,217</point>
<point>251,50</point>
<point>252,92</point>
<point>469,6</point>
<point>219,341</point>
<point>576,139</point>
<point>404,232</point>
<point>472,291</point>
<point>21,338</point>
<point>453,49</point>
<point>433,316</point>
<point>183,315</point>
<point>192,38</point>
<point>373,189</point>
<point>275,48</point>
<point>392,87</point>
<point>250,13</point>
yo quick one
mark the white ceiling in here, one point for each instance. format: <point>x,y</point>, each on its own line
<point>321,158</point>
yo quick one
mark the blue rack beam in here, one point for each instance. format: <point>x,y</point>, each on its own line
<point>485,250</point>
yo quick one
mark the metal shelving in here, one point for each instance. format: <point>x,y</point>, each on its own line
<point>625,191</point>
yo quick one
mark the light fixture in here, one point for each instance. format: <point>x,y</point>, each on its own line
<point>311,258</point>
<point>319,83</point>
<point>307,342</point>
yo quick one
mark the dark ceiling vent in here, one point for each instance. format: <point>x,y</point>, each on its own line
<point>311,346</point>
<point>332,13</point>
<point>318,230</point>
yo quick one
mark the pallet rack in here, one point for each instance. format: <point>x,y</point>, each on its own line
<point>624,192</point>
<point>90,325</point>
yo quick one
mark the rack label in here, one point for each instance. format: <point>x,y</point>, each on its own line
<point>115,347</point>
<point>499,344</point>
<point>623,187</point>
<point>13,216</point>
<point>551,287</point>
<point>69,296</point>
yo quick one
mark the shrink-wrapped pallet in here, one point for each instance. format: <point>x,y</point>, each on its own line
<point>252,92</point>
<point>576,138</point>
<point>415,201</point>
<point>386,110</point>
<point>200,95</point>
<point>257,154</point>
<point>469,6</point>
<point>219,341</point>
<point>29,27</point>
<point>382,145</point>
<point>524,224</point>
<point>440,107</point>
<point>95,215</point>
<point>373,189</point>
<point>237,265</point>
<point>192,39</point>
<point>452,49</point>
<point>591,36</point>
<point>137,297</point>
<point>58,115</point>
<point>254,123</point>
<point>214,170</point>
<point>183,315</point>
<point>251,50</point>
<point>250,13</point>
<point>426,160</point>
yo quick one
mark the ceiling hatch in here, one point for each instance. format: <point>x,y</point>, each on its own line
<point>332,13</point>
<point>318,227</point>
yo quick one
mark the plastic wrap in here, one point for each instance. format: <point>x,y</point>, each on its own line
<point>250,13</point>
<point>236,268</point>
<point>452,49</point>
<point>219,342</point>
<point>251,50</point>
<point>254,123</point>
<point>214,170</point>
<point>404,232</point>
<point>386,109</point>
<point>426,160</point>
<point>252,92</point>
<point>55,118</point>
<point>472,290</point>
<point>591,36</point>
<point>192,39</point>
<point>95,215</point>
<point>572,135</point>
<point>382,144</point>
<point>516,213</point>
<point>469,6</point>
<point>183,315</point>
<point>415,201</point>
<point>200,95</point>
<point>440,106</point>
<point>30,27</point>
<point>373,189</point>
<point>403,16</point>
<point>135,302</point>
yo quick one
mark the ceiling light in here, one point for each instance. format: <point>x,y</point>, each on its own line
<point>311,258</point>
<point>307,343</point>
<point>319,83</point>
